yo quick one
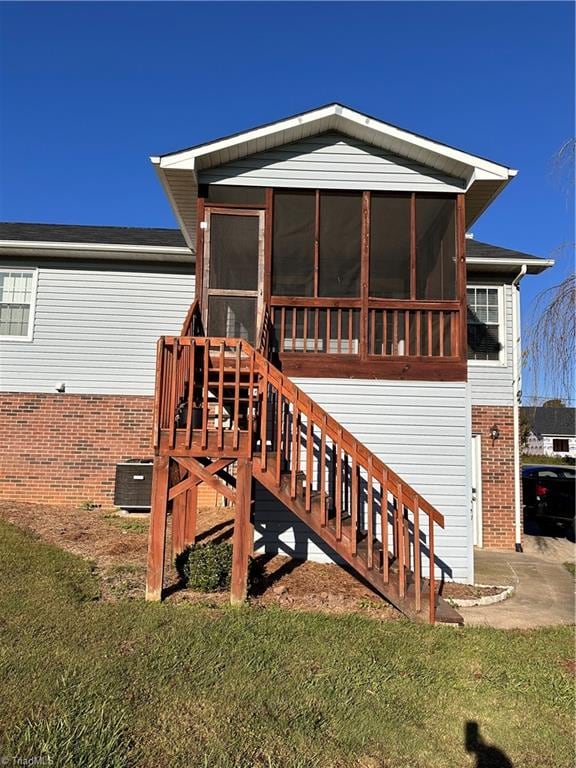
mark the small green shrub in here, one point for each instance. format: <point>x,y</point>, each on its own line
<point>208,567</point>
<point>536,458</point>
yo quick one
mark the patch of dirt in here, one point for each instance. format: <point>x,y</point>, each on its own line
<point>452,591</point>
<point>316,587</point>
<point>569,665</point>
<point>97,534</point>
<point>117,545</point>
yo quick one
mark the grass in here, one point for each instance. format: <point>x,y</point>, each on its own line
<point>571,567</point>
<point>137,526</point>
<point>129,684</point>
<point>543,459</point>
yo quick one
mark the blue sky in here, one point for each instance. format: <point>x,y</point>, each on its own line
<point>89,90</point>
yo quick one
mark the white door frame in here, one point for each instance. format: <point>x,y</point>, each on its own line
<point>477,517</point>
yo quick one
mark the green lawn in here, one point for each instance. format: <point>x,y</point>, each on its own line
<point>89,684</point>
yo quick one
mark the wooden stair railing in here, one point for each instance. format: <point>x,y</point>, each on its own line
<point>263,341</point>
<point>219,397</point>
<point>369,516</point>
<point>192,325</point>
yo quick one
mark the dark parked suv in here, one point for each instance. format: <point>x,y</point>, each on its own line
<point>548,492</point>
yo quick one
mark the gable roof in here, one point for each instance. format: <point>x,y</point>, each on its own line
<point>178,171</point>
<point>330,107</point>
<point>551,421</point>
<point>26,238</point>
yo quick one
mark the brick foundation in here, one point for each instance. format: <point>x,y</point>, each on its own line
<point>497,474</point>
<point>63,448</point>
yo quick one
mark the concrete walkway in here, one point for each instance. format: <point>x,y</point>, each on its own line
<point>545,592</point>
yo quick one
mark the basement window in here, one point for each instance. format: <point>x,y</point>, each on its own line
<point>17,297</point>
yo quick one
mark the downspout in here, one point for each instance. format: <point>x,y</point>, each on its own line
<point>517,394</point>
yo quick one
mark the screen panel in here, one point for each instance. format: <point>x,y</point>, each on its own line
<point>340,244</point>
<point>390,246</point>
<point>232,317</point>
<point>234,250</point>
<point>435,247</point>
<point>293,243</point>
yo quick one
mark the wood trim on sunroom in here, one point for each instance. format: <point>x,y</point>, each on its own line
<point>433,332</point>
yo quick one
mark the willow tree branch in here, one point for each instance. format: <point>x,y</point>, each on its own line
<point>552,338</point>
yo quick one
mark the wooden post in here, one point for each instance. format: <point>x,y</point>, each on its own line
<point>178,518</point>
<point>190,516</point>
<point>243,533</point>
<point>178,513</point>
<point>157,534</point>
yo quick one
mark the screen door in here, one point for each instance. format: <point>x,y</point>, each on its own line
<point>233,272</point>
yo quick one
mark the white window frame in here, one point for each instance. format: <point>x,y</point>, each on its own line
<point>31,315</point>
<point>502,356</point>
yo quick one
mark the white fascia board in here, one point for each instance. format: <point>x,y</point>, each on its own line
<point>96,250</point>
<point>500,171</point>
<point>186,158</point>
<point>539,264</point>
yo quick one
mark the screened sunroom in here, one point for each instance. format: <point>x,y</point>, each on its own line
<point>361,282</point>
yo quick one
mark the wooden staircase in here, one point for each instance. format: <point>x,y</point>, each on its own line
<point>221,402</point>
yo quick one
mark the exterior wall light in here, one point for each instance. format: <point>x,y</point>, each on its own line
<point>494,433</point>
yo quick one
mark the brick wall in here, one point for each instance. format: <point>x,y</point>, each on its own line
<point>63,448</point>
<point>497,474</point>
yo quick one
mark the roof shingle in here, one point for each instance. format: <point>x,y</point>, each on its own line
<point>75,233</point>
<point>551,421</point>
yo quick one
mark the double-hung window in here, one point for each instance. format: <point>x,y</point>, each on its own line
<point>485,324</point>
<point>17,296</point>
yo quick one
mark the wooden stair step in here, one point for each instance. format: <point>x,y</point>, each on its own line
<point>445,614</point>
<point>374,576</point>
<point>377,550</point>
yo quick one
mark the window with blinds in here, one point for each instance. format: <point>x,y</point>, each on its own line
<point>16,303</point>
<point>484,331</point>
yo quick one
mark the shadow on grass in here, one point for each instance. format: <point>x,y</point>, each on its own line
<point>487,756</point>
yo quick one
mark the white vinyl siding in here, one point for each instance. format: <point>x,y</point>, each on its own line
<point>422,430</point>
<point>96,328</point>
<point>544,445</point>
<point>491,382</point>
<point>331,161</point>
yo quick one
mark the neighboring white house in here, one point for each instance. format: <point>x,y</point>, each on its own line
<point>552,431</point>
